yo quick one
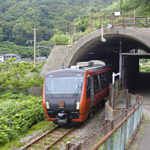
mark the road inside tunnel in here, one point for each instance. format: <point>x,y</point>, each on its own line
<point>131,50</point>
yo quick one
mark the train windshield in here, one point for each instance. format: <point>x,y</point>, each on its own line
<point>63,85</point>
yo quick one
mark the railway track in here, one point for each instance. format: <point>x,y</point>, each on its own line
<point>49,139</point>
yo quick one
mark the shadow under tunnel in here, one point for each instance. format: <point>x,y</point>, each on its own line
<point>132,78</point>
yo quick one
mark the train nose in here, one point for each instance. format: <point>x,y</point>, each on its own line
<point>62,118</point>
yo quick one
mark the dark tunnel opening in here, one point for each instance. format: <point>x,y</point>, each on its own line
<point>132,50</point>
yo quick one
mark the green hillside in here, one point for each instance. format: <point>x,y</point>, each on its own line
<point>19,17</point>
<point>142,7</point>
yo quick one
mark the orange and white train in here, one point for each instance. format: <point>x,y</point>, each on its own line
<point>69,95</point>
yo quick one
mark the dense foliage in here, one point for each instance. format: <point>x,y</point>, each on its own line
<point>18,110</point>
<point>18,77</point>
<point>17,114</point>
<point>7,47</point>
<point>60,39</point>
<point>19,17</point>
<point>144,65</point>
<point>142,7</point>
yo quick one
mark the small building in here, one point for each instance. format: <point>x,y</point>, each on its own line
<point>1,58</point>
<point>5,57</point>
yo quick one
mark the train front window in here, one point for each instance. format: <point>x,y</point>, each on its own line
<point>63,85</point>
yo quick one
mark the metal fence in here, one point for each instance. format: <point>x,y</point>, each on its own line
<point>117,18</point>
<point>122,133</point>
<point>120,18</point>
<point>120,98</point>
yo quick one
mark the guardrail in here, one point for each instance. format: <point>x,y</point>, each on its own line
<point>118,18</point>
<point>120,98</point>
<point>122,130</point>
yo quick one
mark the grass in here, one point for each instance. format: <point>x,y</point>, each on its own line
<point>69,139</point>
<point>97,116</point>
<point>43,126</point>
<point>54,148</point>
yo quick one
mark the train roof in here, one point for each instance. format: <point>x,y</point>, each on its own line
<point>78,71</point>
<point>68,70</point>
<point>95,68</point>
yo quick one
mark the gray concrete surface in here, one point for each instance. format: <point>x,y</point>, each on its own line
<point>55,59</point>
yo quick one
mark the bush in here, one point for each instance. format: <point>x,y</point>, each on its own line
<point>60,39</point>
<point>17,114</point>
<point>18,77</point>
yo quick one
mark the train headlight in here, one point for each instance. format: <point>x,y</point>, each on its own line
<point>47,105</point>
<point>77,105</point>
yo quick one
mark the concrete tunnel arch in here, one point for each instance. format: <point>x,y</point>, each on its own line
<point>90,46</point>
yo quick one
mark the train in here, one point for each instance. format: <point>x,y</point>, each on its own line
<point>69,95</point>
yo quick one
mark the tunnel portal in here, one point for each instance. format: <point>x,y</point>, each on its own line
<point>121,48</point>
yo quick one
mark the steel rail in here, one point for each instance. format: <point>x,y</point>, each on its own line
<point>60,139</point>
<point>39,138</point>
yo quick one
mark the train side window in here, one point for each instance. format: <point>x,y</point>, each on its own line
<point>100,86</point>
<point>105,79</point>
<point>102,80</point>
<point>96,84</point>
<point>88,89</point>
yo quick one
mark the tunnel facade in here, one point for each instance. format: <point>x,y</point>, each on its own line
<point>118,41</point>
<point>132,44</point>
<point>91,46</point>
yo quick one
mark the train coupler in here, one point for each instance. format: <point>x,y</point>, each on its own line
<point>62,118</point>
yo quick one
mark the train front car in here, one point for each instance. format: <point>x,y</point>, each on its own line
<point>62,94</point>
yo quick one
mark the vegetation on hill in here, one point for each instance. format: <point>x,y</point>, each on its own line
<point>18,77</point>
<point>17,114</point>
<point>7,47</point>
<point>18,110</point>
<point>19,17</point>
<point>142,7</point>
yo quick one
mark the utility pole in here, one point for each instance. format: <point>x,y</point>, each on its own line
<point>34,46</point>
<point>120,4</point>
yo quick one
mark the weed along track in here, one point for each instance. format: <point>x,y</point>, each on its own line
<point>49,140</point>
